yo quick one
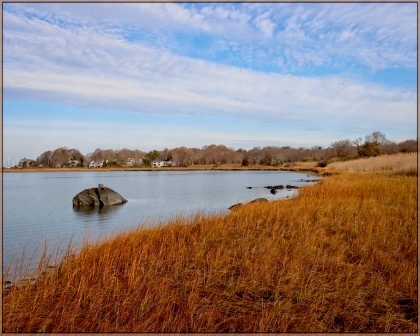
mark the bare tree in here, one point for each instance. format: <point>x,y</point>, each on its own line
<point>344,148</point>
<point>377,137</point>
<point>255,155</point>
<point>47,159</point>
<point>374,144</point>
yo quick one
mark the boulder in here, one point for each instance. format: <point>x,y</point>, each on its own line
<point>291,187</point>
<point>273,191</point>
<point>100,196</point>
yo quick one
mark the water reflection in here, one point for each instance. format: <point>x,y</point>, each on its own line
<point>89,214</point>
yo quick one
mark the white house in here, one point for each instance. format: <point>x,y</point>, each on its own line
<point>162,163</point>
<point>132,162</point>
<point>73,163</point>
<point>94,164</point>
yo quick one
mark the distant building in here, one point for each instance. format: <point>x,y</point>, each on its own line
<point>73,163</point>
<point>161,163</point>
<point>132,162</point>
<point>94,164</point>
<point>26,163</point>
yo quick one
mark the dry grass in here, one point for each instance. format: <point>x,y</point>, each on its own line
<point>400,164</point>
<point>340,258</point>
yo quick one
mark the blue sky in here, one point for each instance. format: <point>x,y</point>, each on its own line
<point>154,75</point>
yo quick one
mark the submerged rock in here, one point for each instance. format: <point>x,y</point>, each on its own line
<point>275,187</point>
<point>101,196</point>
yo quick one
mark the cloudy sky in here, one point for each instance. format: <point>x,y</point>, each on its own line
<point>154,75</point>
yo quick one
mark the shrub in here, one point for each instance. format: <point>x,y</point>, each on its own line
<point>370,149</point>
<point>322,163</point>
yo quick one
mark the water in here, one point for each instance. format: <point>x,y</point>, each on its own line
<point>38,206</point>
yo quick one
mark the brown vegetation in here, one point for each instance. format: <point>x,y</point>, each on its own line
<point>273,156</point>
<point>403,164</point>
<point>342,257</point>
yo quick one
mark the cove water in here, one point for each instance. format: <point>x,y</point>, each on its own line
<point>37,206</point>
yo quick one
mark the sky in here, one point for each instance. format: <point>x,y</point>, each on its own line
<point>163,75</point>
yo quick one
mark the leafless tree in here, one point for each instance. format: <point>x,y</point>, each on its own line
<point>344,148</point>
<point>374,144</point>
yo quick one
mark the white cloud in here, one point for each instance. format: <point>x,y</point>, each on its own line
<point>89,55</point>
<point>203,87</point>
<point>265,25</point>
<point>346,35</point>
<point>62,58</point>
<point>376,30</point>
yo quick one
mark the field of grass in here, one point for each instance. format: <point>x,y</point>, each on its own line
<point>403,164</point>
<point>342,257</point>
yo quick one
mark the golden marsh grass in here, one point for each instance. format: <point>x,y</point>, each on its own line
<point>402,163</point>
<point>342,257</point>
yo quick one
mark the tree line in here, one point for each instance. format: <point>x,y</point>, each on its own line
<point>372,145</point>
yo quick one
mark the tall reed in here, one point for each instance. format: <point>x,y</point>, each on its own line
<point>399,164</point>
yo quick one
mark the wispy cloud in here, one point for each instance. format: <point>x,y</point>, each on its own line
<point>323,29</point>
<point>285,64</point>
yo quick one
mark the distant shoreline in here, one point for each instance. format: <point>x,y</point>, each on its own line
<point>297,168</point>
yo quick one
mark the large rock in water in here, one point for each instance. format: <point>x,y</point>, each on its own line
<point>101,196</point>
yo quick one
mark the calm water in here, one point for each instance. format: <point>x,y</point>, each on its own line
<point>38,206</point>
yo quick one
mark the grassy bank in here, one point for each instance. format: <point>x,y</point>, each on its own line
<point>399,164</point>
<point>341,257</point>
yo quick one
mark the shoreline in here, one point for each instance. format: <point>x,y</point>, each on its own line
<point>297,168</point>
